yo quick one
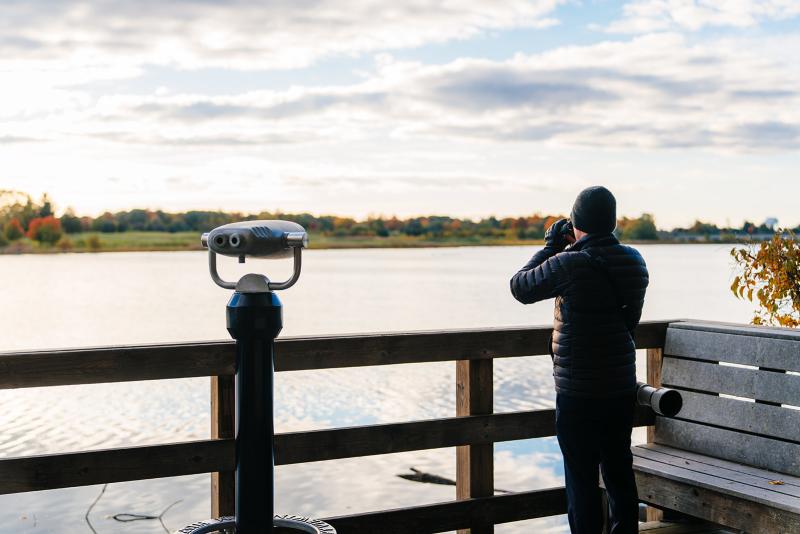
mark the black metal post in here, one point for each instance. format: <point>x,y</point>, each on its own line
<point>254,320</point>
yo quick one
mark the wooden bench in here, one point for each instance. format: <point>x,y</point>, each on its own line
<point>732,455</point>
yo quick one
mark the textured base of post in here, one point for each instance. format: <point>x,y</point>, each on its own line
<point>283,523</point>
<point>221,524</point>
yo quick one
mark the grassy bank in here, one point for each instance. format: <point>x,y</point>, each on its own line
<point>164,241</point>
<point>161,241</point>
<point>110,242</point>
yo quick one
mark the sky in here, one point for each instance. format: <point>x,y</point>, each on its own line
<point>684,109</point>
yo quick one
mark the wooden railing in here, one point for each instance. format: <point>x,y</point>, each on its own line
<point>473,431</point>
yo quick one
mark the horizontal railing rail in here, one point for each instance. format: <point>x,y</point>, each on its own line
<point>217,359</point>
<point>50,471</point>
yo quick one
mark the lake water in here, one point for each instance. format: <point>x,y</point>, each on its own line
<point>73,300</point>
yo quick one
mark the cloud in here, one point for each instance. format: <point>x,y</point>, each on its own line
<point>643,16</point>
<point>775,133</point>
<point>261,105</point>
<point>188,139</point>
<point>487,85</point>
<point>654,91</point>
<point>12,139</point>
<point>244,34</point>
<point>383,181</point>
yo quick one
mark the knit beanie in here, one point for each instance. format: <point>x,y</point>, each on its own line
<point>595,211</point>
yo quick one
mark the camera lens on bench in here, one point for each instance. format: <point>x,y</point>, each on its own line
<point>669,402</point>
<point>664,401</point>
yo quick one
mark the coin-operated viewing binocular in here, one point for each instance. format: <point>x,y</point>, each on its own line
<point>254,318</point>
<point>664,401</point>
<point>255,239</point>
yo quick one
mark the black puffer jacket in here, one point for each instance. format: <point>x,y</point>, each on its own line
<point>599,286</point>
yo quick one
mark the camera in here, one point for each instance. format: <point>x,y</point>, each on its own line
<point>664,401</point>
<point>568,230</point>
<point>256,239</point>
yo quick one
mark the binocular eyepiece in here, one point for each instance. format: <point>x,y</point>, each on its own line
<point>664,401</point>
<point>255,239</point>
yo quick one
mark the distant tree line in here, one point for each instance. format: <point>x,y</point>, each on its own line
<point>20,215</point>
<point>707,229</point>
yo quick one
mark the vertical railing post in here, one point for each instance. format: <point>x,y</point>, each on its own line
<point>475,463</point>
<point>654,360</point>
<point>223,485</point>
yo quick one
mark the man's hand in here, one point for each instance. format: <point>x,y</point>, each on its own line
<point>556,236</point>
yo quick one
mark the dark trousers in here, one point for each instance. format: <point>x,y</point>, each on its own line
<point>594,435</point>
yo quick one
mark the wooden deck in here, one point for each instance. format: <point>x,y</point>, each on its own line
<point>472,430</point>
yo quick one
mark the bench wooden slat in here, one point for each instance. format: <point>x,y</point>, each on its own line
<point>741,347</point>
<point>770,332</point>
<point>711,505</point>
<point>731,445</point>
<point>742,382</point>
<point>764,419</point>
<point>728,487</point>
<point>719,462</point>
<point>730,472</point>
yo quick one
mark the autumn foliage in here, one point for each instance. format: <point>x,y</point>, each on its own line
<point>45,230</point>
<point>13,230</point>
<point>769,274</point>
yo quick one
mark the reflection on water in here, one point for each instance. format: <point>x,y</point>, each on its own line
<point>80,300</point>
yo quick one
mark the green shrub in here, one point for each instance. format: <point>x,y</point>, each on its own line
<point>94,243</point>
<point>13,230</point>
<point>64,244</point>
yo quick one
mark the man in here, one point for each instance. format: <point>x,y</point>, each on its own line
<point>599,287</point>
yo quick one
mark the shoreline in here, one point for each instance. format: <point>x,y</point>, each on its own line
<point>189,241</point>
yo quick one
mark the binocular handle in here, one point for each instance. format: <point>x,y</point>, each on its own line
<point>259,283</point>
<point>298,263</point>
